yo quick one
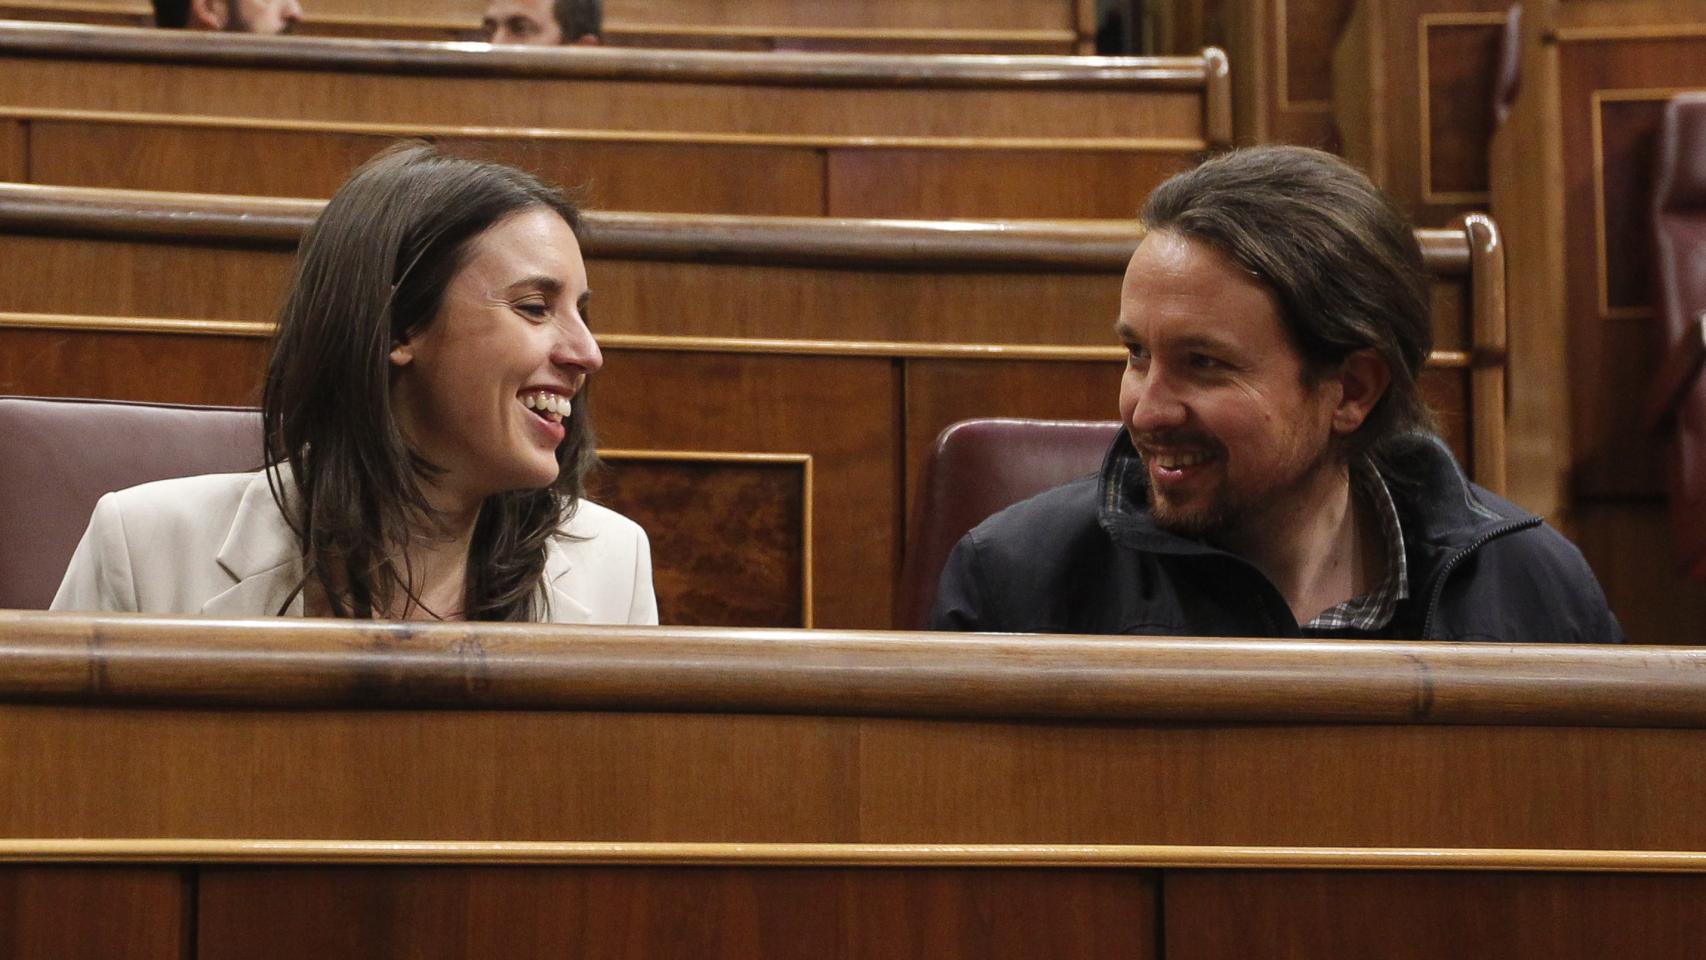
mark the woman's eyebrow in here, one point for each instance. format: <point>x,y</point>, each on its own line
<point>539,282</point>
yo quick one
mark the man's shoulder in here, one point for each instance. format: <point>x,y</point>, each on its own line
<point>1056,517</point>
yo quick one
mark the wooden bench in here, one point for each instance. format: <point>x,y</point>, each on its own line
<point>851,343</point>
<point>268,790</point>
<point>932,99</point>
<point>970,26</point>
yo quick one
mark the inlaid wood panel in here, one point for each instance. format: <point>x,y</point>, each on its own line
<point>1630,548</point>
<point>102,277</point>
<point>728,533</point>
<point>620,912</point>
<point>1224,914</point>
<point>1282,51</point>
<point>1460,58</point>
<point>93,913</point>
<point>678,176</point>
<point>1073,184</point>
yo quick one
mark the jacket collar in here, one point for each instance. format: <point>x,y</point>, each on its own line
<point>1437,505</point>
<point>263,557</point>
<point>260,553</point>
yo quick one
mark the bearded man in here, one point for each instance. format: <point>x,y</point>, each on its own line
<point>1278,475</point>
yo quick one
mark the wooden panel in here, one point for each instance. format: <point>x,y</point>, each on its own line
<point>620,912</point>
<point>728,536</point>
<point>1216,914</point>
<point>841,411</point>
<point>54,275</point>
<point>1308,29</point>
<point>535,775</point>
<point>14,151</point>
<point>1282,56</point>
<point>1609,97</point>
<point>148,367</point>
<point>759,180</point>
<point>1017,184</point>
<point>1457,104</point>
<point>1629,546</point>
<point>72,913</point>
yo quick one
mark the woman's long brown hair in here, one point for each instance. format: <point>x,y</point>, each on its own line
<point>371,273</point>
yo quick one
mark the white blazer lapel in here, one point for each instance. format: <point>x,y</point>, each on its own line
<point>261,555</point>
<point>563,607</point>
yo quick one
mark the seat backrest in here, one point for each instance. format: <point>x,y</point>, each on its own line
<point>977,468</point>
<point>57,457</point>
<point>1679,248</point>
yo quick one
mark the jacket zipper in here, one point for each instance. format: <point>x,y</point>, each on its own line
<point>1456,558</point>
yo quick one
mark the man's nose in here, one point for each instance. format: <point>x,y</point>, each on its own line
<point>292,11</point>
<point>1159,404</point>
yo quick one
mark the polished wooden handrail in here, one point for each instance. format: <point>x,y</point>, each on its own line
<point>259,221</point>
<point>288,663</point>
<point>78,41</point>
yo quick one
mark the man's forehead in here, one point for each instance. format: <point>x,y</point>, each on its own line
<point>506,8</point>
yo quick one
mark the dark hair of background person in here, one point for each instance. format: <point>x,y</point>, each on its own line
<point>1341,261</point>
<point>172,13</point>
<point>371,273</point>
<point>577,18</point>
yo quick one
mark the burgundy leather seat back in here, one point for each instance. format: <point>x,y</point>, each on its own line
<point>57,457</point>
<point>977,468</point>
<point>1679,245</point>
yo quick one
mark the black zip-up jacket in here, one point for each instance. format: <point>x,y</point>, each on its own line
<point>1087,558</point>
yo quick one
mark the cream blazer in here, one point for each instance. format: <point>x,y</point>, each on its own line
<point>218,545</point>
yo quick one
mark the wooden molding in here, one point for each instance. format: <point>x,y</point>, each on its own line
<point>1602,249</point>
<point>76,41</point>
<point>114,659</point>
<point>1426,22</point>
<point>863,855</point>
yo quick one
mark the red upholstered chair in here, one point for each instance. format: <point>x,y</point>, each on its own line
<point>57,457</point>
<point>976,468</point>
<point>1678,400</point>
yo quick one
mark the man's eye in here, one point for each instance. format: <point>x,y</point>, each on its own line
<point>1203,361</point>
<point>1136,352</point>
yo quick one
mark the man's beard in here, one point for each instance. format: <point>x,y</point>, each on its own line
<point>1228,510</point>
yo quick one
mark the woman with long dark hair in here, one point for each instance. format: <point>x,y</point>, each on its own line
<point>425,435</point>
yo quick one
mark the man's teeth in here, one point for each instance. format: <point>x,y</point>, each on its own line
<point>1178,461</point>
<point>554,406</point>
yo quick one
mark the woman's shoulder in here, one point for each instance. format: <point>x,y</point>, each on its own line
<point>590,520</point>
<point>195,494</point>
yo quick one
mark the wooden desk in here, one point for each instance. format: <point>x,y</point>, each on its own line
<point>848,344</point>
<point>1177,99</point>
<point>888,26</point>
<point>211,789</point>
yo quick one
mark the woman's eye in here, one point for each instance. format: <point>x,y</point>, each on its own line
<point>534,308</point>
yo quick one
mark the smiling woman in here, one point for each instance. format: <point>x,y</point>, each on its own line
<point>425,440</point>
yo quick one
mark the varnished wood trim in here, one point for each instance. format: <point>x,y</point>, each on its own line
<point>77,41</point>
<point>1091,247</point>
<point>128,659</point>
<point>1217,100</point>
<point>1488,338</point>
<point>808,494</point>
<point>885,349</point>
<point>868,855</point>
<point>1655,31</point>
<point>1426,22</point>
<point>398,130</point>
<point>1602,262</point>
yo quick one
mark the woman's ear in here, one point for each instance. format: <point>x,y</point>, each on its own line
<point>402,353</point>
<point>1363,378</point>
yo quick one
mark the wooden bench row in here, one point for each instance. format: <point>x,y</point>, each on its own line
<point>894,26</point>
<point>203,790</point>
<point>816,358</point>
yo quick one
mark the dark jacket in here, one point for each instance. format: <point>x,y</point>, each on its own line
<point>1087,558</point>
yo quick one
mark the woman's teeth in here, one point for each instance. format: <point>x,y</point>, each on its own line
<point>552,406</point>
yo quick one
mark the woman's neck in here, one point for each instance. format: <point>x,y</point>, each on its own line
<point>434,562</point>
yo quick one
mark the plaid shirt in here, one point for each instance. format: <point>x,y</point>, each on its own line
<point>1373,611</point>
